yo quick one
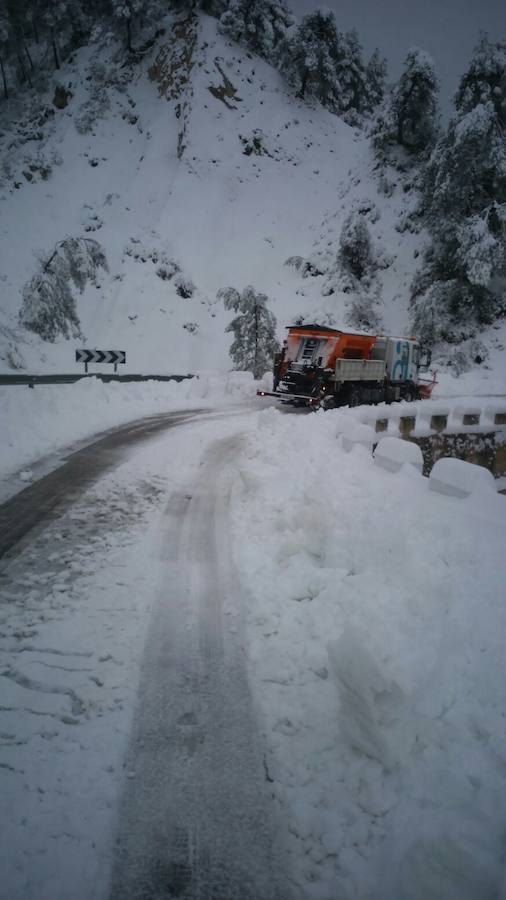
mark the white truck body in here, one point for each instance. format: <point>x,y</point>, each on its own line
<point>402,358</point>
<point>360,370</point>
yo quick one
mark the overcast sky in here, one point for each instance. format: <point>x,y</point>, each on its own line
<point>448,30</point>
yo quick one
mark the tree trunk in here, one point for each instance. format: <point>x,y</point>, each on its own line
<point>22,69</point>
<point>303,85</point>
<point>28,55</point>
<point>129,34</point>
<point>4,79</point>
<point>55,50</point>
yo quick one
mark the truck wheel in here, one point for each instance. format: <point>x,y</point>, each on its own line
<point>355,397</point>
<point>411,394</point>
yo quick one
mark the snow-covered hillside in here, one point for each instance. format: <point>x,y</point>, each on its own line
<point>195,169</point>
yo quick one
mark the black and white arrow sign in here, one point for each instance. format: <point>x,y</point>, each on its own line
<point>101,356</point>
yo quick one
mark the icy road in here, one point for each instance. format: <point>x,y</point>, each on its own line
<point>99,548</point>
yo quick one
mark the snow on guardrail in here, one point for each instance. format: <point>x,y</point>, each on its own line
<point>470,429</point>
<point>423,417</point>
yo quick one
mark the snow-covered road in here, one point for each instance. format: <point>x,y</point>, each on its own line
<point>244,551</point>
<point>196,817</point>
<point>60,488</point>
<point>129,532</point>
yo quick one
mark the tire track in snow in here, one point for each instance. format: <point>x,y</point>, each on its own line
<point>196,817</point>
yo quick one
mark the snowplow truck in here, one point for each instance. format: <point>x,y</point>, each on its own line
<point>326,367</point>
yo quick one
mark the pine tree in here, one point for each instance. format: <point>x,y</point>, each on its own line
<point>376,73</point>
<point>409,119</point>
<point>363,313</point>
<point>356,257</point>
<point>214,8</point>
<point>260,25</point>
<point>125,12</point>
<point>308,59</point>
<point>357,264</point>
<point>353,94</point>
<point>415,103</point>
<point>461,286</point>
<point>324,65</point>
<point>254,330</point>
<point>485,80</point>
<point>57,17</point>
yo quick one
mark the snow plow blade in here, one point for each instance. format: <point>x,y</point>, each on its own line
<point>289,398</point>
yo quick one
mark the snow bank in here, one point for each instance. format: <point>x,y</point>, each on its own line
<point>376,623</point>
<point>392,453</point>
<point>44,419</point>
<point>354,433</point>
<point>460,479</point>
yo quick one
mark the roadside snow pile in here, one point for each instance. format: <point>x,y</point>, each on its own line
<point>376,624</point>
<point>51,417</point>
<point>392,452</point>
<point>460,479</point>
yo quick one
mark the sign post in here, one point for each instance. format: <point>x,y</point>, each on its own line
<point>101,356</point>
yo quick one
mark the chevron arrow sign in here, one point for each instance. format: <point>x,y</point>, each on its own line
<point>101,356</point>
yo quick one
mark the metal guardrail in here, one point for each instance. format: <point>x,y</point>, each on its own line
<point>32,380</point>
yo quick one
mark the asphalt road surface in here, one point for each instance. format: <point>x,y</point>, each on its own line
<point>55,492</point>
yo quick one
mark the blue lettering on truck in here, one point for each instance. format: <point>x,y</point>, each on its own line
<point>400,369</point>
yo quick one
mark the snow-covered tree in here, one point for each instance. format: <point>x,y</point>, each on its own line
<point>375,74</point>
<point>463,281</point>
<point>485,80</point>
<point>259,25</point>
<point>308,58</point>
<point>356,257</point>
<point>125,12</point>
<point>351,77</point>
<point>48,306</point>
<point>363,313</point>
<point>254,330</point>
<point>324,65</point>
<point>131,13</point>
<point>409,118</point>
<point>60,20</point>
<point>214,7</point>
<point>357,265</point>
